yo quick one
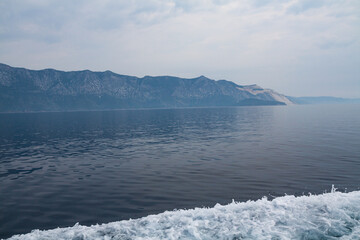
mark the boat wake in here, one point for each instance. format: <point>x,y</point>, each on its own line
<point>333,215</point>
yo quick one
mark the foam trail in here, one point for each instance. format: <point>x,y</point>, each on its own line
<point>332,215</point>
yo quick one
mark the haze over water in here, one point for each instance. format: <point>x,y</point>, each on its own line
<point>57,169</point>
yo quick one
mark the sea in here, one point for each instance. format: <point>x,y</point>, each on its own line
<point>272,172</point>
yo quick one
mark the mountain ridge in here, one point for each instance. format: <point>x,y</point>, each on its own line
<point>24,90</point>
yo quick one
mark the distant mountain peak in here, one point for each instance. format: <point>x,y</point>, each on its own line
<point>202,77</point>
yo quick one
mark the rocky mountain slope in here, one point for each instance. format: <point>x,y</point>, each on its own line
<point>52,90</point>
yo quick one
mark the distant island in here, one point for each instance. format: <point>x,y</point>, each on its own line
<point>323,100</point>
<point>24,90</point>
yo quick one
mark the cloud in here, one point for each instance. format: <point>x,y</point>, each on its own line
<point>281,44</point>
<point>331,43</point>
<point>305,5</point>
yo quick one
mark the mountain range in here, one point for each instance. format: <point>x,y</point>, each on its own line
<point>24,90</point>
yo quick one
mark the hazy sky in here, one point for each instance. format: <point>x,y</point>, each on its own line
<point>297,47</point>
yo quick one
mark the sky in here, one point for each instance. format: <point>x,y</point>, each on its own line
<point>296,47</point>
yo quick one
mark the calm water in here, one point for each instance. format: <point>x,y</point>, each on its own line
<point>57,169</point>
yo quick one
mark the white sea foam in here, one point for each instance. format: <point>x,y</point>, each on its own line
<point>332,215</point>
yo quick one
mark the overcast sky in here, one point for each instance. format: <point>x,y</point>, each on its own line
<point>296,47</point>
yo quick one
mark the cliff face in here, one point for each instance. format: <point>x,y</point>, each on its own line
<point>51,90</point>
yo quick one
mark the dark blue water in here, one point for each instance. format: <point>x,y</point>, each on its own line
<point>57,169</point>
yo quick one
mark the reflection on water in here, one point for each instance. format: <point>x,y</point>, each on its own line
<point>57,169</point>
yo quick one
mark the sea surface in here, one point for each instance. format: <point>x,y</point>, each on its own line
<point>76,169</point>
